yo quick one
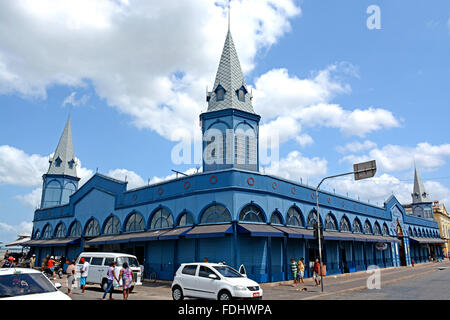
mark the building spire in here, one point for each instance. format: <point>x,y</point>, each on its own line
<point>63,160</point>
<point>229,15</point>
<point>419,194</point>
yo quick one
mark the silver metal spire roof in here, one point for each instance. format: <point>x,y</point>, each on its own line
<point>419,194</point>
<point>63,161</point>
<point>230,77</point>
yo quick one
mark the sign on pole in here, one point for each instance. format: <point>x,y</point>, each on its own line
<point>364,170</point>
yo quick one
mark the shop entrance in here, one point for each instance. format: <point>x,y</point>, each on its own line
<point>401,249</point>
<point>138,251</point>
<point>344,261</point>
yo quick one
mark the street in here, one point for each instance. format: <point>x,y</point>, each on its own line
<point>427,281</point>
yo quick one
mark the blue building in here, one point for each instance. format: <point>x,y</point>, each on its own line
<point>230,212</point>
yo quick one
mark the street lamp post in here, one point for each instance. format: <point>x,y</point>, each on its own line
<point>361,171</point>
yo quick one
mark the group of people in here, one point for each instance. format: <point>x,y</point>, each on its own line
<point>9,261</point>
<point>298,271</point>
<point>126,275</point>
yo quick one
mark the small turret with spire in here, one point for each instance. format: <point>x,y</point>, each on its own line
<point>421,203</point>
<point>61,179</point>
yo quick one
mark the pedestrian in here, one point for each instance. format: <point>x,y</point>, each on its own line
<point>51,266</point>
<point>32,261</point>
<point>6,256</point>
<point>294,270</point>
<point>127,279</point>
<point>300,270</point>
<point>205,260</point>
<point>84,273</point>
<point>316,272</point>
<point>9,262</point>
<point>70,277</point>
<point>62,262</point>
<point>111,277</point>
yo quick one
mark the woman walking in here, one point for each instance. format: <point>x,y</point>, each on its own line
<point>111,276</point>
<point>70,277</point>
<point>127,278</point>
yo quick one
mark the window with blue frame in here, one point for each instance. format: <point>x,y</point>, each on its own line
<point>330,223</point>
<point>294,217</point>
<point>377,229</point>
<point>75,230</point>
<point>161,219</point>
<point>251,213</point>
<point>71,164</point>
<point>276,218</point>
<point>135,223</point>
<point>344,225</point>
<point>215,214</point>
<point>367,227</point>
<point>58,162</point>
<point>92,228</point>
<point>69,189</point>
<point>47,232</point>
<point>385,230</point>
<point>60,231</point>
<point>241,94</point>
<point>186,219</point>
<point>112,226</point>
<point>356,226</point>
<point>312,219</point>
<point>52,194</point>
<point>220,93</point>
<point>37,235</point>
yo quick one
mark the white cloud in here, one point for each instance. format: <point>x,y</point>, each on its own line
<point>284,127</point>
<point>32,199</point>
<point>296,166</point>
<point>304,140</point>
<point>397,158</point>
<point>9,232</point>
<point>188,172</point>
<point>72,100</point>
<point>356,146</point>
<point>133,179</point>
<point>149,59</point>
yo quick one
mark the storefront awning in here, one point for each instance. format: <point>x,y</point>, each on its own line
<point>259,230</point>
<point>174,233</point>
<point>334,235</point>
<point>209,231</point>
<point>51,242</point>
<point>127,237</point>
<point>296,232</point>
<point>18,242</point>
<point>427,240</point>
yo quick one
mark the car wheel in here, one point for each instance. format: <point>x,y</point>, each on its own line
<point>177,294</point>
<point>224,295</point>
<point>104,285</point>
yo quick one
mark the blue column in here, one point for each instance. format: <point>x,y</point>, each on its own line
<point>237,255</point>
<point>365,255</point>
<point>269,258</point>
<point>285,265</point>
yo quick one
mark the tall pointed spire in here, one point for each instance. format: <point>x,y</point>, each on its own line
<point>419,194</point>
<point>63,161</point>
<point>230,78</point>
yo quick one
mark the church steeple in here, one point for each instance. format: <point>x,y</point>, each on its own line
<point>230,90</point>
<point>419,194</point>
<point>61,180</point>
<point>63,160</point>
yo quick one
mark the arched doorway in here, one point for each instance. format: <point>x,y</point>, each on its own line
<point>401,245</point>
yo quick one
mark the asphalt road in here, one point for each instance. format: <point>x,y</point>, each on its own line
<point>427,281</point>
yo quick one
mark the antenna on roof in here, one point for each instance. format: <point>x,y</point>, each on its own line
<point>126,178</point>
<point>148,181</point>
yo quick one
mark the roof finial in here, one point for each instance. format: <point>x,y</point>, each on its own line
<point>229,15</point>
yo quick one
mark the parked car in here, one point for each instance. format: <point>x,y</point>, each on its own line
<point>99,264</point>
<point>28,284</point>
<point>213,281</point>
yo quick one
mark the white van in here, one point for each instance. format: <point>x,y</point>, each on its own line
<point>99,263</point>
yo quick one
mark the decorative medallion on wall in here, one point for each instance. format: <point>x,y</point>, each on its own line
<point>313,195</point>
<point>274,185</point>
<point>160,190</point>
<point>187,185</point>
<point>343,203</point>
<point>329,200</point>
<point>251,181</point>
<point>213,180</point>
<point>293,190</point>
<point>134,197</point>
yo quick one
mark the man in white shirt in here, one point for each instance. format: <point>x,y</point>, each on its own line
<point>84,273</point>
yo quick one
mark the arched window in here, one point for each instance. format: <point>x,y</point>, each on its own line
<point>344,225</point>
<point>241,93</point>
<point>215,214</point>
<point>251,213</point>
<point>69,189</point>
<point>37,235</point>
<point>245,146</point>
<point>186,219</point>
<point>75,230</point>
<point>135,223</point>
<point>60,231</point>
<point>220,93</point>
<point>92,228</point>
<point>367,227</point>
<point>377,229</point>
<point>415,232</point>
<point>47,232</point>
<point>356,226</point>
<point>112,226</point>
<point>385,230</point>
<point>294,217</point>
<point>161,219</point>
<point>52,194</point>
<point>276,218</point>
<point>330,223</point>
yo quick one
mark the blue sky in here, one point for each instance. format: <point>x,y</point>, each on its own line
<point>133,74</point>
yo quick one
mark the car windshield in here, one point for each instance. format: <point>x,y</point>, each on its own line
<point>20,284</point>
<point>132,262</point>
<point>228,272</point>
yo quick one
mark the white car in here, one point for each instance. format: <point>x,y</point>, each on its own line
<point>28,284</point>
<point>213,281</point>
<point>99,264</point>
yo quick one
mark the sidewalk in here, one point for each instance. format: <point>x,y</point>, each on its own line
<point>345,283</point>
